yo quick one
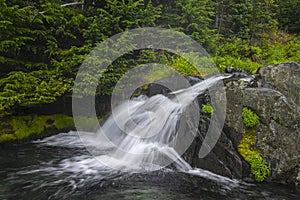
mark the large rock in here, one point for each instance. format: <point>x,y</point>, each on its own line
<point>284,78</point>
<point>278,136</point>
<point>273,94</point>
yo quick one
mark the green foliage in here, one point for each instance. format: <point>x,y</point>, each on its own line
<point>35,87</point>
<point>184,67</point>
<point>192,17</point>
<point>245,64</point>
<point>43,44</point>
<point>281,47</point>
<point>207,108</point>
<point>288,13</point>
<point>233,18</point>
<point>275,48</point>
<point>258,166</point>
<point>250,118</point>
<point>117,16</point>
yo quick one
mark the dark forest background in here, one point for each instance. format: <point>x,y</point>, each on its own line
<point>43,43</point>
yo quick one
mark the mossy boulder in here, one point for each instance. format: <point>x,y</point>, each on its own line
<point>261,134</point>
<point>24,128</point>
<point>19,128</point>
<point>275,100</point>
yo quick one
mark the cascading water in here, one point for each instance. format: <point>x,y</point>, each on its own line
<point>142,131</point>
<point>141,137</point>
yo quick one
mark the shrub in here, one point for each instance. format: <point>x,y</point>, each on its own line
<point>184,67</point>
<point>237,62</point>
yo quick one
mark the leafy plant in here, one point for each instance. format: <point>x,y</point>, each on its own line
<point>250,118</point>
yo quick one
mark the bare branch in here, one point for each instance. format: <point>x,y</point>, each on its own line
<point>71,4</point>
<point>65,5</point>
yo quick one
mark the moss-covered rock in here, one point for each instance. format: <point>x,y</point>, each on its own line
<point>246,148</point>
<point>19,128</point>
<point>277,135</point>
<point>261,133</point>
<point>22,127</point>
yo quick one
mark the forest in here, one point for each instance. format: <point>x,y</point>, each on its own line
<point>44,42</point>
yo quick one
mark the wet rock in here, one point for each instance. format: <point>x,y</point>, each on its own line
<point>273,94</point>
<point>223,159</point>
<point>194,79</point>
<point>236,71</point>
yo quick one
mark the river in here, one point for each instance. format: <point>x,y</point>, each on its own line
<point>60,167</point>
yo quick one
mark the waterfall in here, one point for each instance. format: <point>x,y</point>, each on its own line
<point>141,133</point>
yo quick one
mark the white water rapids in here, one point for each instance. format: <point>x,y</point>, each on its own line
<point>142,133</point>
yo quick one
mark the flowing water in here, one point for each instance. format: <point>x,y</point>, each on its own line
<point>141,134</point>
<point>131,157</point>
<point>59,167</point>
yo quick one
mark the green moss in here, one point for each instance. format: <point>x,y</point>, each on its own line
<point>259,167</point>
<point>7,137</point>
<point>87,123</point>
<point>62,121</point>
<point>207,108</point>
<point>138,93</point>
<point>144,87</point>
<point>250,118</point>
<point>24,126</point>
<point>21,127</point>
